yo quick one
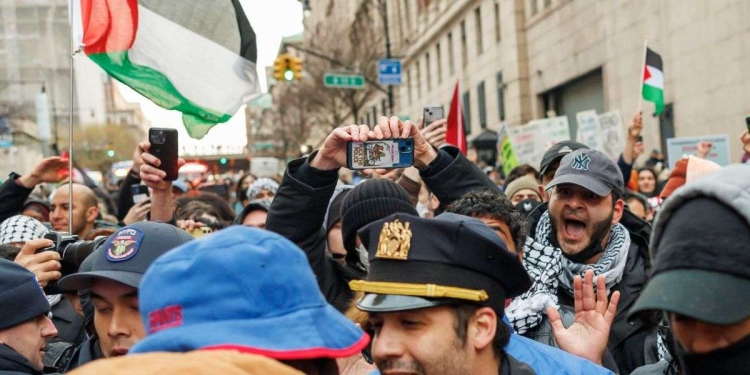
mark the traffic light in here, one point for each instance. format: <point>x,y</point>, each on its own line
<point>223,161</point>
<point>296,66</point>
<point>110,150</point>
<point>287,68</point>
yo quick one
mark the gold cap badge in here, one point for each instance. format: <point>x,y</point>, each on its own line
<point>395,241</point>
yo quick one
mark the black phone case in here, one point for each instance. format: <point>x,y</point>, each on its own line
<point>166,152</point>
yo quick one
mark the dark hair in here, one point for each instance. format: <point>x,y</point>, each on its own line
<point>240,193</point>
<point>520,171</point>
<point>215,201</point>
<point>629,195</point>
<point>463,313</point>
<point>195,209</point>
<point>9,252</point>
<point>487,203</point>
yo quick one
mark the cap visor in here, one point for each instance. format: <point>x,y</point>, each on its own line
<point>315,332</point>
<point>83,280</point>
<point>376,303</point>
<point>707,296</point>
<point>582,180</point>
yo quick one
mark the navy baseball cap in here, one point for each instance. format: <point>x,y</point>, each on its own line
<point>127,254</point>
<point>590,169</point>
<point>417,263</point>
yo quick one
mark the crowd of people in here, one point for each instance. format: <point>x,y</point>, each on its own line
<point>580,265</point>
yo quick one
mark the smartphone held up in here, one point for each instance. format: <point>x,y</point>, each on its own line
<point>164,146</point>
<point>380,154</point>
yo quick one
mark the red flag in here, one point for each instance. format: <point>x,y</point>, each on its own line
<point>455,134</point>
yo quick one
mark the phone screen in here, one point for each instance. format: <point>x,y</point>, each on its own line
<point>140,193</point>
<point>381,154</point>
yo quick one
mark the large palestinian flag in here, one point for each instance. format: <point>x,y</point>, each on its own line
<point>194,56</point>
<point>653,80</point>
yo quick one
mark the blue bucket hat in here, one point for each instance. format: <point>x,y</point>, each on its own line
<point>242,289</point>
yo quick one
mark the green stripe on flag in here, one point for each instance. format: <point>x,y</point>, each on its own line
<point>158,88</point>
<point>655,95</point>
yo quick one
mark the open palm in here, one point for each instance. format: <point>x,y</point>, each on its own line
<point>587,337</point>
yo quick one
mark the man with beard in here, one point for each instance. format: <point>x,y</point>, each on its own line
<point>587,224</point>
<point>701,276</point>
<point>85,209</point>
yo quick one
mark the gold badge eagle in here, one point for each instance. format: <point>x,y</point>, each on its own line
<point>395,241</point>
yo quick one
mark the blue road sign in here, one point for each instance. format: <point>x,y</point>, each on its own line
<point>389,72</point>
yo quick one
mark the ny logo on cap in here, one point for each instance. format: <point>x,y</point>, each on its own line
<point>395,241</point>
<point>581,162</point>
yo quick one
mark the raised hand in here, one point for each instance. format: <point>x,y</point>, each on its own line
<point>138,212</point>
<point>333,153</point>
<point>636,125</point>
<point>435,133</point>
<point>589,334</point>
<point>393,127</point>
<point>50,169</point>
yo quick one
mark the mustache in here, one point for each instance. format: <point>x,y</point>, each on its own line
<point>398,364</point>
<point>573,214</point>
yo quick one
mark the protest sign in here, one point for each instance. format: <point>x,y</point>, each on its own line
<point>505,151</point>
<point>679,147</point>
<point>530,141</point>
<point>612,141</point>
<point>588,128</point>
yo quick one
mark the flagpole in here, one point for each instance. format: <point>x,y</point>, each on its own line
<point>640,78</point>
<point>70,137</point>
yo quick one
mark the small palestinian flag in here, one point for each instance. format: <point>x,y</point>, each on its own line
<point>194,56</point>
<point>653,80</point>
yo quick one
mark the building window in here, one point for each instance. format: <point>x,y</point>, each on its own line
<point>497,21</point>
<point>409,83</point>
<point>467,112</point>
<point>478,23</point>
<point>439,63</point>
<point>534,7</point>
<point>384,109</point>
<point>482,106</point>
<point>451,57</point>
<point>500,96</point>
<point>419,82</point>
<point>464,56</point>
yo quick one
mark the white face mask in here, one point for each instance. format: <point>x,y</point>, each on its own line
<point>363,257</point>
<point>422,209</point>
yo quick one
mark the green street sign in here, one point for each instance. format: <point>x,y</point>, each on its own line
<point>344,81</point>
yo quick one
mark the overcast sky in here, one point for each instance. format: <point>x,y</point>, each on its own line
<point>271,20</point>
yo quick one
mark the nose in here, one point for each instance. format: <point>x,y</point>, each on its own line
<point>118,325</point>
<point>56,213</point>
<point>386,345</point>
<point>575,202</point>
<point>48,330</point>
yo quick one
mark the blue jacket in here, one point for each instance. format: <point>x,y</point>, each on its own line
<point>547,360</point>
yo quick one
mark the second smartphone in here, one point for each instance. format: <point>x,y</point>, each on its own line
<point>164,146</point>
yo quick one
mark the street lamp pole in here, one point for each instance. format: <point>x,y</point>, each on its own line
<point>384,12</point>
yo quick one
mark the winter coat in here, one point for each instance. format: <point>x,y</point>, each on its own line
<point>300,205</point>
<point>632,343</point>
<point>12,197</point>
<point>11,362</point>
<point>88,351</point>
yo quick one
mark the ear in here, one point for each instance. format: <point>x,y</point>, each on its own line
<point>485,321</point>
<point>617,211</point>
<point>542,193</point>
<point>91,214</point>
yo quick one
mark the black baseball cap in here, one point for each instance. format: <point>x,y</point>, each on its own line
<point>699,250</point>
<point>557,152</point>
<point>590,169</point>
<point>127,254</point>
<point>417,263</point>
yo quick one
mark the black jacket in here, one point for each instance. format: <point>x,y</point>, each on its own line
<point>632,343</point>
<point>300,205</point>
<point>12,197</point>
<point>68,323</point>
<point>512,366</point>
<point>11,362</point>
<point>87,352</point>
<point>125,195</point>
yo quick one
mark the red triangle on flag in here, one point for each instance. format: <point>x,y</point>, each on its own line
<point>455,131</point>
<point>646,73</point>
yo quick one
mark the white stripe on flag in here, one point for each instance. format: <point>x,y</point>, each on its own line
<point>203,71</point>
<point>656,79</point>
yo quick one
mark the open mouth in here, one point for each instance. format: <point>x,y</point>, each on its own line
<point>574,228</point>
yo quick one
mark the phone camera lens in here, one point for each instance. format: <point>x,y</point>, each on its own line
<point>402,148</point>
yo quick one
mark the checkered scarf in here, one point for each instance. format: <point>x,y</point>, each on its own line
<point>21,228</point>
<point>262,184</point>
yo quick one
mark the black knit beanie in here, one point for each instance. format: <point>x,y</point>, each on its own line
<point>370,201</point>
<point>21,296</point>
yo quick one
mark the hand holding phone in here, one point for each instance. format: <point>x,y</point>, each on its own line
<point>164,147</point>
<point>380,154</point>
<point>140,193</point>
<point>431,114</point>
